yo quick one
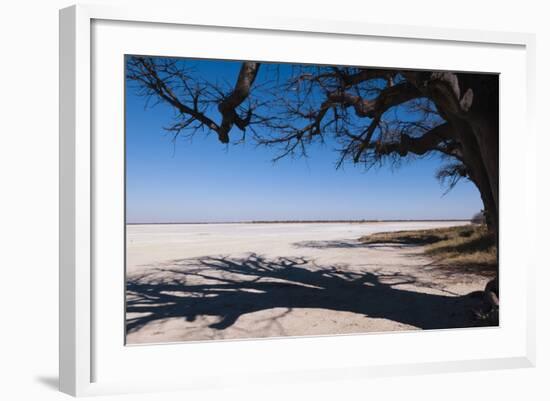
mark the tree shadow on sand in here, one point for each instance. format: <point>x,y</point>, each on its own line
<point>438,265</point>
<point>228,288</point>
<point>354,243</point>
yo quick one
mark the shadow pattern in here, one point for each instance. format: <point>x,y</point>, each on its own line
<point>353,243</point>
<point>228,288</point>
<point>338,244</point>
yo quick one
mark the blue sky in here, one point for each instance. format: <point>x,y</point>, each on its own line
<point>205,181</point>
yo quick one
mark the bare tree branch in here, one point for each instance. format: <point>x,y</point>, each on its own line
<point>156,78</point>
<point>428,142</point>
<point>371,115</point>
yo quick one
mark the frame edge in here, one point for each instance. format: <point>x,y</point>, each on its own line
<point>67,112</point>
<point>74,201</point>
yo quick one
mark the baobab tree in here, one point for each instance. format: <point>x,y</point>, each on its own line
<point>374,115</point>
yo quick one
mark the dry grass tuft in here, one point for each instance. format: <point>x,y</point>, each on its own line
<point>467,246</point>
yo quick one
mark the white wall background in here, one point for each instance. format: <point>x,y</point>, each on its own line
<point>29,187</point>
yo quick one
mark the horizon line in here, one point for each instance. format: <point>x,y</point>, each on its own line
<point>297,221</point>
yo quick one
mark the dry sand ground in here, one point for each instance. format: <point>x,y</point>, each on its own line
<point>226,281</point>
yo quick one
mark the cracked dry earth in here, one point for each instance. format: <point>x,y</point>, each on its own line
<point>189,282</point>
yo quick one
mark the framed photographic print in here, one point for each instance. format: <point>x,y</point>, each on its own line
<point>316,199</point>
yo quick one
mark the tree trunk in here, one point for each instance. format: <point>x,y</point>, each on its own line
<point>471,104</point>
<point>480,157</point>
<point>485,125</point>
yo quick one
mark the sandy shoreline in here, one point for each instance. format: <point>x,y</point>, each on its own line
<point>226,281</point>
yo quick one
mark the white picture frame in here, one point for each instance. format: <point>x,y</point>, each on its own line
<point>82,344</point>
